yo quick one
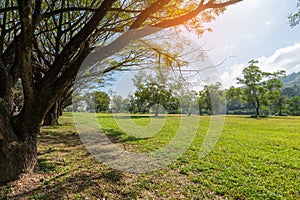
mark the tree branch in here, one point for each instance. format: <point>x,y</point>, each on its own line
<point>141,18</point>
<point>77,41</point>
<point>24,54</point>
<point>7,9</point>
<point>194,13</point>
<point>87,9</point>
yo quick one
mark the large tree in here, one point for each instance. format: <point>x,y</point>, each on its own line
<point>259,86</point>
<point>43,44</point>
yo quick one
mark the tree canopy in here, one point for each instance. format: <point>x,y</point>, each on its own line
<point>259,86</point>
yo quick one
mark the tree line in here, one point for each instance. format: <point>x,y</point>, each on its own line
<point>259,93</point>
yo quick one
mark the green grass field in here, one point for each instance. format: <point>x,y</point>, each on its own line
<point>253,159</point>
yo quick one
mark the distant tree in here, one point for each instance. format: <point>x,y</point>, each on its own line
<point>280,105</point>
<point>289,92</point>
<point>126,104</point>
<point>259,85</point>
<point>203,101</point>
<point>210,99</point>
<point>154,95</point>
<point>278,102</point>
<point>294,106</point>
<point>117,104</point>
<point>173,104</point>
<point>102,101</point>
<point>234,98</point>
<point>153,92</point>
<point>188,102</point>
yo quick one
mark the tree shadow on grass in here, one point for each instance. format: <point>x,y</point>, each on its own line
<point>138,116</point>
<point>73,185</point>
<point>73,175</point>
<point>117,136</point>
<point>54,136</point>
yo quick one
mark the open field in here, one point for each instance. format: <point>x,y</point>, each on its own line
<point>253,159</point>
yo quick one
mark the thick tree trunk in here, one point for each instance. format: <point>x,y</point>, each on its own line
<point>17,157</point>
<point>51,118</point>
<point>18,154</point>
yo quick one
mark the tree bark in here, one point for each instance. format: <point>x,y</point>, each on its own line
<point>156,110</point>
<point>257,111</point>
<point>18,154</point>
<point>17,157</point>
<point>200,109</point>
<point>51,118</point>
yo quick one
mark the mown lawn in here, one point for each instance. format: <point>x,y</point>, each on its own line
<point>253,159</point>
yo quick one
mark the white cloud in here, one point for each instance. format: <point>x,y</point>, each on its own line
<point>230,75</point>
<point>287,59</point>
<point>283,59</point>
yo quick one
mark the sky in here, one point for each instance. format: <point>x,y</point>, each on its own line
<point>254,29</point>
<point>251,29</point>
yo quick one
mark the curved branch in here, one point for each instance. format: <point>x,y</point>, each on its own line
<point>87,9</point>
<point>141,18</point>
<point>194,13</point>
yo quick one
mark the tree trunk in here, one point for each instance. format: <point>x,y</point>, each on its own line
<point>257,111</point>
<point>280,112</point>
<point>189,111</point>
<point>17,154</point>
<point>200,109</point>
<point>17,157</point>
<point>51,118</point>
<point>156,110</point>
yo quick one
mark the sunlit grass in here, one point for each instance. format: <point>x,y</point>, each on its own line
<point>257,158</point>
<point>253,159</point>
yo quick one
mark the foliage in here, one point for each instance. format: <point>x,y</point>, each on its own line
<point>276,103</point>
<point>118,104</point>
<point>291,91</point>
<point>101,101</point>
<point>188,101</point>
<point>151,93</point>
<point>211,99</point>
<point>234,98</point>
<point>259,86</point>
<point>294,106</point>
<point>294,19</point>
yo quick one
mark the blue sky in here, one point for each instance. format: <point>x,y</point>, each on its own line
<point>254,29</point>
